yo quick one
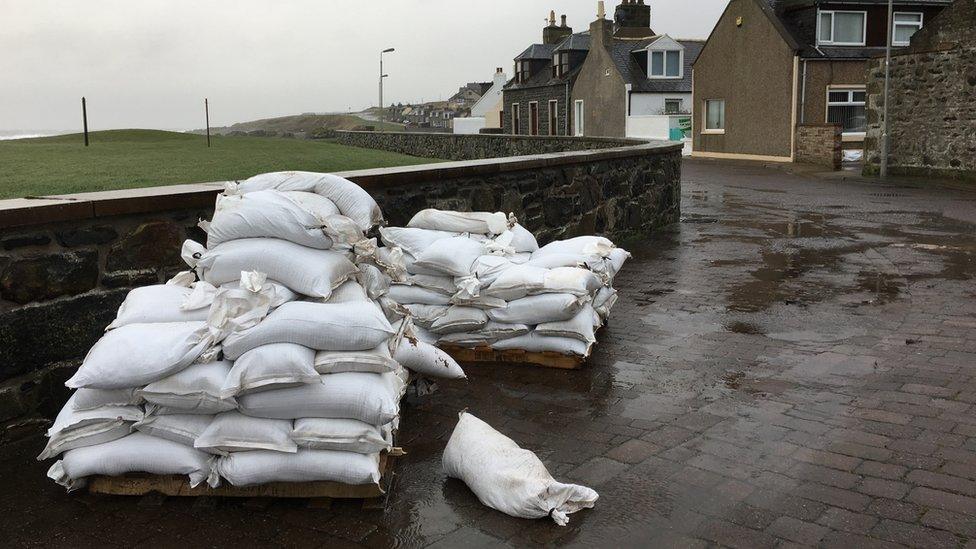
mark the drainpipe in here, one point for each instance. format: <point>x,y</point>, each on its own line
<point>566,111</point>
<point>803,93</point>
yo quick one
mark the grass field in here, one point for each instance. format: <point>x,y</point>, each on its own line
<point>124,159</point>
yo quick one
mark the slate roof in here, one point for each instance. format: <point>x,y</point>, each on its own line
<point>575,42</point>
<point>622,52</point>
<point>537,51</point>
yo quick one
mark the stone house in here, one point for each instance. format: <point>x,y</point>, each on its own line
<point>932,100</point>
<point>634,80</point>
<point>772,67</point>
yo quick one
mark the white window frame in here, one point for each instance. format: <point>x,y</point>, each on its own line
<point>578,107</point>
<point>516,118</point>
<point>664,64</point>
<point>680,102</point>
<point>850,89</point>
<point>895,24</point>
<point>712,131</point>
<point>831,42</point>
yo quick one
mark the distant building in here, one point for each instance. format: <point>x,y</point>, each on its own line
<point>487,111</point>
<point>772,67</point>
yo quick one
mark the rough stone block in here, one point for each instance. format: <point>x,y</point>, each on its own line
<point>86,236</point>
<point>49,276</point>
<point>22,241</point>
<point>155,244</point>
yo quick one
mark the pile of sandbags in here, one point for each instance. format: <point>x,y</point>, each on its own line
<point>270,361</point>
<point>477,279</point>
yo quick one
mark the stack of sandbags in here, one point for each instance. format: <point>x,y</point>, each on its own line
<point>476,279</point>
<point>307,387</point>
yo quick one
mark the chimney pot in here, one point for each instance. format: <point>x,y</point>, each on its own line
<point>552,18</point>
<point>563,17</point>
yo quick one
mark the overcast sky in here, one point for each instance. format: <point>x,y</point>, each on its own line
<point>150,63</point>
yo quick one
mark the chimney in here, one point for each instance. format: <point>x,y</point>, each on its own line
<point>632,19</point>
<point>601,30</point>
<point>563,17</point>
<point>554,34</point>
<point>500,77</point>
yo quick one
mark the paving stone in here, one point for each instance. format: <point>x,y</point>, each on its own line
<point>914,535</point>
<point>883,470</point>
<point>847,521</point>
<point>734,536</point>
<point>633,451</point>
<point>805,533</point>
<point>597,471</point>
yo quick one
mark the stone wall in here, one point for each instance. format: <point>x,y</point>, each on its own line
<point>819,144</point>
<point>932,114</point>
<point>449,146</point>
<point>66,263</point>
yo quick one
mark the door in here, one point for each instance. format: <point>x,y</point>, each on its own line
<point>553,117</point>
<point>534,118</point>
<point>578,117</point>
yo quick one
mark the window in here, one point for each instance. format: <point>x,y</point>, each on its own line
<point>672,106</point>
<point>560,64</point>
<point>906,24</point>
<point>714,116</point>
<point>578,117</point>
<point>516,119</point>
<point>665,64</point>
<point>842,28</point>
<point>533,118</point>
<point>522,71</point>
<point>553,117</point>
<point>846,107</point>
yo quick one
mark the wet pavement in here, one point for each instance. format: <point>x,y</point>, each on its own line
<point>793,363</point>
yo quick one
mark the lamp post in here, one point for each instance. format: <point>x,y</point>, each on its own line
<point>382,76</point>
<point>883,172</point>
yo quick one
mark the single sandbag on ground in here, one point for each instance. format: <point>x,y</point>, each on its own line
<point>136,453</point>
<point>508,478</point>
<point>427,360</point>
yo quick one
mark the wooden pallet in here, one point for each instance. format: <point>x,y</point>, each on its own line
<point>178,485</point>
<point>547,359</point>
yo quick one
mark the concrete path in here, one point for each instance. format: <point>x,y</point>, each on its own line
<point>792,364</point>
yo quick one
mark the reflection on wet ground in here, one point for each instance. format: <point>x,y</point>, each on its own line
<point>795,361</point>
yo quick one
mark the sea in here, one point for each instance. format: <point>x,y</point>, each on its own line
<point>27,134</point>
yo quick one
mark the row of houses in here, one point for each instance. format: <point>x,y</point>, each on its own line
<point>768,68</point>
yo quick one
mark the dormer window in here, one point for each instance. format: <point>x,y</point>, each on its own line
<point>664,64</point>
<point>842,28</point>
<point>522,69</point>
<point>560,64</point>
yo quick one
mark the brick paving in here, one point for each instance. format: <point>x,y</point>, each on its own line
<point>794,364</point>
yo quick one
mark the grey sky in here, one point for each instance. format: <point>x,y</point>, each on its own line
<point>149,63</point>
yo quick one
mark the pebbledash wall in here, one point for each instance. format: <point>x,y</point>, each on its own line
<point>67,262</point>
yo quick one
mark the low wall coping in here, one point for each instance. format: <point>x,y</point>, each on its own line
<point>25,212</point>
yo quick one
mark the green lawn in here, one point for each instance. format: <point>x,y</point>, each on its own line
<point>123,159</point>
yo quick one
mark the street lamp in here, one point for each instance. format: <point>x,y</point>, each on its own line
<point>382,76</point>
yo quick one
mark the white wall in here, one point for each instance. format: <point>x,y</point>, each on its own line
<point>468,125</point>
<point>653,103</point>
<point>649,127</point>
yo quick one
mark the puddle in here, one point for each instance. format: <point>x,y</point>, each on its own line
<point>649,297</point>
<point>739,327</point>
<point>885,287</point>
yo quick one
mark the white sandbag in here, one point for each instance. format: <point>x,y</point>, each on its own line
<point>343,435</point>
<point>374,282</point>
<point>352,200</point>
<point>263,466</point>
<point>603,301</point>
<point>348,292</point>
<point>459,319</point>
<point>319,326</point>
<point>265,214</point>
<point>272,366</point>
<point>412,240</point>
<point>410,265</point>
<point>453,256</point>
<point>557,259</point>
<point>509,478</point>
<point>90,399</point>
<point>136,453</point>
<point>581,327</point>
<point>523,240</point>
<point>391,261</point>
<point>377,361</point>
<point>581,245</point>
<point>487,268</point>
<point>372,398</point>
<point>305,270</point>
<point>235,432</point>
<point>403,293</point>
<point>427,360</point>
<point>237,309</point>
<point>194,390</point>
<point>157,303</point>
<point>460,222</point>
<point>139,354</point>
<point>443,284</point>
<point>181,428</point>
<point>491,332</point>
<point>536,309</point>
<point>571,280</point>
<point>517,282</point>
<point>316,204</point>
<point>276,291</point>
<point>74,428</point>
<point>616,260</point>
<point>425,315</point>
<point>535,342</point>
